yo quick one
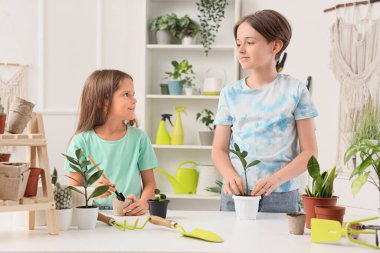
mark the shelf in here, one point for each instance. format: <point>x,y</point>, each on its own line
<point>192,196</point>
<point>157,96</point>
<point>157,146</point>
<point>189,47</point>
<point>22,140</point>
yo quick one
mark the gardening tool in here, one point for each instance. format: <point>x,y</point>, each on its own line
<point>197,233</point>
<point>121,226</point>
<point>331,230</point>
<point>185,180</point>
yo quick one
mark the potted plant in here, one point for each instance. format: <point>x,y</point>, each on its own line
<point>322,190</point>
<point>86,215</point>
<point>188,30</point>
<point>63,202</point>
<point>159,204</point>
<point>3,117</point>
<point>165,27</point>
<point>182,74</point>
<point>246,205</point>
<point>210,14</point>
<point>207,118</point>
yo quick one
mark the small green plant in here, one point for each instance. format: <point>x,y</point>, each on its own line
<point>207,118</point>
<point>242,155</point>
<point>168,22</point>
<point>188,27</point>
<point>62,193</point>
<point>158,196</point>
<point>323,184</point>
<point>79,164</point>
<point>217,188</point>
<point>182,71</point>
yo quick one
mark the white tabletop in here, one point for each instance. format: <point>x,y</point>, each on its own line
<point>269,233</point>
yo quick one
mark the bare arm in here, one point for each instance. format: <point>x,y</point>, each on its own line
<point>308,146</point>
<point>75,179</point>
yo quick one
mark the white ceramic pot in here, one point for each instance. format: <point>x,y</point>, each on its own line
<point>64,217</point>
<point>86,217</point>
<point>187,40</point>
<point>163,37</point>
<point>188,91</point>
<point>207,177</point>
<point>246,207</point>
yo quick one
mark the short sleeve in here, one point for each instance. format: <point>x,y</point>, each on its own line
<point>147,158</point>
<point>223,115</point>
<point>75,143</point>
<point>305,108</point>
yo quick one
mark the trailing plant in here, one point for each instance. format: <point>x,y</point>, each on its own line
<point>182,71</point>
<point>62,193</point>
<point>323,184</point>
<point>158,196</point>
<point>79,164</point>
<point>187,27</point>
<point>210,14</point>
<point>168,22</point>
<point>217,188</point>
<point>242,155</point>
<point>207,118</point>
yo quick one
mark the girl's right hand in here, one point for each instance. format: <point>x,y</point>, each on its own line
<point>104,181</point>
<point>234,185</point>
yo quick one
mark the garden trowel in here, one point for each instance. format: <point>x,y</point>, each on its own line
<point>197,233</point>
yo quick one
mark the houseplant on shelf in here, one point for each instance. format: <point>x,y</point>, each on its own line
<point>188,30</point>
<point>86,215</point>
<point>165,27</point>
<point>207,118</point>
<point>210,14</point>
<point>246,206</point>
<point>182,74</point>
<point>63,202</point>
<point>159,204</point>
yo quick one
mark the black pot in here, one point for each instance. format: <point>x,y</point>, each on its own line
<point>158,208</point>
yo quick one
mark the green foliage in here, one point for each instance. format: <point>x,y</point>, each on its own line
<point>79,164</point>
<point>323,184</point>
<point>168,22</point>
<point>188,27</point>
<point>62,193</point>
<point>182,71</point>
<point>210,14</point>
<point>369,152</point>
<point>217,188</point>
<point>368,124</point>
<point>242,155</point>
<point>207,118</point>
<point>158,196</point>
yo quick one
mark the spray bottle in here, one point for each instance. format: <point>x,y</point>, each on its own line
<point>177,133</point>
<point>163,136</point>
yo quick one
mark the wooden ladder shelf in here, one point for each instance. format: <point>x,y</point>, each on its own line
<point>36,143</point>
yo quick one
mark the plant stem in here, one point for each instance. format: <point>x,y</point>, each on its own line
<point>85,196</point>
<point>246,181</point>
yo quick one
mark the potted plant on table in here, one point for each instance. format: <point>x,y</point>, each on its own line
<point>188,30</point>
<point>159,204</point>
<point>165,27</point>
<point>207,118</point>
<point>86,215</point>
<point>246,205</point>
<point>182,74</point>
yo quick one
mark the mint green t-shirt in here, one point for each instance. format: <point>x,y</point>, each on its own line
<point>121,160</point>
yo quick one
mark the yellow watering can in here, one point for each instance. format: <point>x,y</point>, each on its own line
<point>186,178</point>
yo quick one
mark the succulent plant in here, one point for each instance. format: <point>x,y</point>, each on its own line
<point>62,193</point>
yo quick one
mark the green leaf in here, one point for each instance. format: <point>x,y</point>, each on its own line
<point>237,148</point>
<point>75,189</point>
<point>350,152</point>
<point>243,162</point>
<point>79,153</point>
<point>244,154</point>
<point>73,179</point>
<point>234,152</point>
<point>358,183</point>
<point>313,167</point>
<point>76,169</point>
<point>54,176</point>
<point>71,159</point>
<point>94,177</point>
<point>253,163</point>
<point>99,191</point>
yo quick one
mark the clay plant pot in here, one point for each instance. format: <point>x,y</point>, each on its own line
<point>330,213</point>
<point>118,206</point>
<point>4,157</point>
<point>158,208</point>
<point>296,223</point>
<point>19,115</point>
<point>3,117</point>
<point>32,185</point>
<point>309,204</point>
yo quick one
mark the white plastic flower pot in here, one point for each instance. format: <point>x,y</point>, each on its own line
<point>246,207</point>
<point>64,217</point>
<point>86,217</point>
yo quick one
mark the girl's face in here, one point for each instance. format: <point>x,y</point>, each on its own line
<point>253,50</point>
<point>123,101</point>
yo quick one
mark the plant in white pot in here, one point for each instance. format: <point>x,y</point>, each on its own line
<point>182,74</point>
<point>207,118</point>
<point>188,30</point>
<point>86,215</point>
<point>63,202</point>
<point>165,27</point>
<point>246,205</point>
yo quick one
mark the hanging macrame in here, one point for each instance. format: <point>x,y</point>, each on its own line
<point>355,61</point>
<point>12,87</point>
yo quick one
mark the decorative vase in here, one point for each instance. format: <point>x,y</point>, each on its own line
<point>118,206</point>
<point>206,137</point>
<point>163,37</point>
<point>64,217</point>
<point>158,208</point>
<point>309,204</point>
<point>296,223</point>
<point>175,87</point>
<point>330,212</point>
<point>86,217</point>
<point>246,207</point>
<point>164,89</point>
<point>3,118</point>
<point>32,185</point>
<point>19,115</point>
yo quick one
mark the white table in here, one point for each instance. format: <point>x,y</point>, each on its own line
<point>269,233</point>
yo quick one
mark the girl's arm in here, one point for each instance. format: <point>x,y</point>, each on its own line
<point>75,178</point>
<point>308,146</point>
<point>221,160</point>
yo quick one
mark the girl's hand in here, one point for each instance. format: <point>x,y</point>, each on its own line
<point>138,206</point>
<point>234,185</point>
<point>104,181</point>
<point>265,185</point>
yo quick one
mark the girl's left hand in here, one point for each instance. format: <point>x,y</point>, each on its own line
<point>265,185</point>
<point>138,206</point>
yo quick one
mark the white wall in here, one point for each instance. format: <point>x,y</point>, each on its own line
<point>64,41</point>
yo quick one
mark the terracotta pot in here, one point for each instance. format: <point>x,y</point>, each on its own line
<point>3,117</point>
<point>20,113</point>
<point>330,212</point>
<point>158,208</point>
<point>309,204</point>
<point>296,223</point>
<point>32,185</point>
<point>4,157</point>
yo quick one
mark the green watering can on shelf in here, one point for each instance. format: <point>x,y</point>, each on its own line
<point>186,178</point>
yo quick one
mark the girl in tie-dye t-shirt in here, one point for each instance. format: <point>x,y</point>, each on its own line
<point>267,114</point>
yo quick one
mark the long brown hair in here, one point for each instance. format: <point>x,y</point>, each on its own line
<point>271,25</point>
<point>98,88</point>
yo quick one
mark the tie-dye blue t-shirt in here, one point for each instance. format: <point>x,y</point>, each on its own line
<point>263,122</point>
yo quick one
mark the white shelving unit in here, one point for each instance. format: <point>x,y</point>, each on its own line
<point>158,60</point>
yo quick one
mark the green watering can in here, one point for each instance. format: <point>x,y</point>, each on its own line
<point>186,178</point>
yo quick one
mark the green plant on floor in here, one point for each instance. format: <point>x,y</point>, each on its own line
<point>207,118</point>
<point>62,193</point>
<point>168,22</point>
<point>158,196</point>
<point>323,184</point>
<point>210,14</point>
<point>242,155</point>
<point>217,188</point>
<point>188,27</point>
<point>89,176</point>
<point>182,71</point>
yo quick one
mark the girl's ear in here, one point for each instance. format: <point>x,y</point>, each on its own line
<point>277,46</point>
<point>105,106</point>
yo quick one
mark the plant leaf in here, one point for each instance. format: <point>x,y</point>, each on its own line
<point>99,191</point>
<point>358,183</point>
<point>71,159</point>
<point>75,189</point>
<point>253,163</point>
<point>313,167</point>
<point>79,153</point>
<point>94,177</point>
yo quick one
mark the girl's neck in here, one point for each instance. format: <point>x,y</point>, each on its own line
<point>259,78</point>
<point>111,131</point>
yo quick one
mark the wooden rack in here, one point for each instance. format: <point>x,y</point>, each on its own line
<point>36,143</point>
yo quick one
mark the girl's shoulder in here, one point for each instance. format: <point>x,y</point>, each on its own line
<point>136,132</point>
<point>290,81</point>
